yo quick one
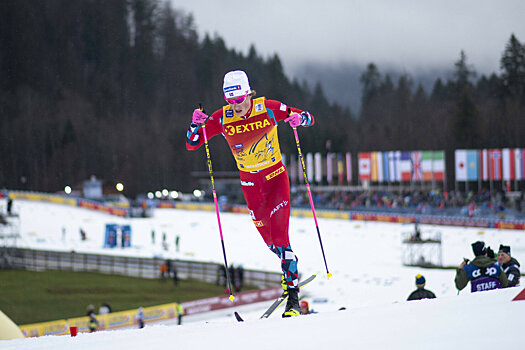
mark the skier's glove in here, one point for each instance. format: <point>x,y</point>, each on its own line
<point>198,117</point>
<point>297,119</point>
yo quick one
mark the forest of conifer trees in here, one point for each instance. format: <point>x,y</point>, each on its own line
<point>107,88</point>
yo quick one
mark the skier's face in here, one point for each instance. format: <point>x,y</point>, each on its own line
<point>242,108</point>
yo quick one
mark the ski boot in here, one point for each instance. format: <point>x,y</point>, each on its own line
<point>284,285</point>
<point>292,305</point>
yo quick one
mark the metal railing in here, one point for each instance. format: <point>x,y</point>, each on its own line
<point>40,260</point>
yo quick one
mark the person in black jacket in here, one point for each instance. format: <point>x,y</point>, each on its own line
<point>510,266</point>
<point>421,292</point>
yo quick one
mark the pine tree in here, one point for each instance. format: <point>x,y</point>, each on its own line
<point>512,64</point>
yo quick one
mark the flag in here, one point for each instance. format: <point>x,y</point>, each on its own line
<point>417,172</point>
<point>329,168</point>
<point>376,166</point>
<point>373,166</point>
<point>364,166</point>
<point>386,167</point>
<point>484,165</point>
<point>461,164</point>
<point>348,167</point>
<point>340,168</point>
<point>393,164</point>
<point>518,161</point>
<point>426,165</point>
<point>318,160</point>
<point>495,170</point>
<point>405,166</point>
<point>380,174</point>
<point>438,165</point>
<point>300,175</point>
<point>310,167</point>
<point>509,164</point>
<point>472,165</point>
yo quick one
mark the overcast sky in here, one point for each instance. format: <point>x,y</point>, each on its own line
<point>406,34</point>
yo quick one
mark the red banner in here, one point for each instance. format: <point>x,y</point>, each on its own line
<point>222,302</point>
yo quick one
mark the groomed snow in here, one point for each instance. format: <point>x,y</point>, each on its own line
<point>369,280</point>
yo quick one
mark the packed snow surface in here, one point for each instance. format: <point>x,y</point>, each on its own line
<point>369,281</point>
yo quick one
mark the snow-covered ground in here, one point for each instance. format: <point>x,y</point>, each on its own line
<point>369,280</point>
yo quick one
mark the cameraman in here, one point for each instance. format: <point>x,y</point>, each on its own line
<point>484,273</point>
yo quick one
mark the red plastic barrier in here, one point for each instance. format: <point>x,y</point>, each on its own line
<point>222,302</point>
<point>509,225</point>
<point>520,296</point>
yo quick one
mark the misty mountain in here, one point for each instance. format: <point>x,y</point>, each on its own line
<point>341,82</point>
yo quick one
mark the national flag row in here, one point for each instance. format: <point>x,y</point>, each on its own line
<point>490,164</point>
<point>334,168</point>
<point>402,166</point>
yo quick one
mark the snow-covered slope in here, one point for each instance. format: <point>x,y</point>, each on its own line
<point>368,279</point>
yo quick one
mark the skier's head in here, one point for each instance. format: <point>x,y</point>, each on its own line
<point>504,254</point>
<point>420,280</point>
<point>479,248</point>
<point>236,85</point>
<point>237,91</point>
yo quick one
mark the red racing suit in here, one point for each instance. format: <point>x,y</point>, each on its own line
<point>254,144</point>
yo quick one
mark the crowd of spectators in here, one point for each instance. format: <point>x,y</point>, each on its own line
<point>472,204</point>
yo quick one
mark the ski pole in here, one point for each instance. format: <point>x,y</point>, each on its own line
<point>210,170</point>
<point>328,274</point>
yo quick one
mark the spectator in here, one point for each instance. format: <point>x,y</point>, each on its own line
<point>83,235</point>
<point>140,317</point>
<point>417,233</point>
<point>163,271</point>
<point>221,275</point>
<point>90,309</point>
<point>239,278</point>
<point>9,206</point>
<point>180,312</point>
<point>305,308</point>
<point>104,309</point>
<point>421,292</point>
<point>483,273</point>
<point>174,274</point>
<point>92,323</point>
<point>232,278</point>
<point>510,266</point>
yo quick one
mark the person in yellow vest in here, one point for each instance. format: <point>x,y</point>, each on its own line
<point>180,313</point>
<point>249,125</point>
<point>92,323</point>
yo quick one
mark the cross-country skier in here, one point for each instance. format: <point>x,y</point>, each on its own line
<point>249,125</point>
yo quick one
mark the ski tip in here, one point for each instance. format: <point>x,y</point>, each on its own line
<point>231,297</point>
<point>238,317</point>
<point>329,274</point>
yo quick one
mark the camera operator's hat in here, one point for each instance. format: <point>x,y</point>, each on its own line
<point>504,249</point>
<point>479,248</point>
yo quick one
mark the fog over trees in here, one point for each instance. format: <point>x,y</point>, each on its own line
<point>107,88</point>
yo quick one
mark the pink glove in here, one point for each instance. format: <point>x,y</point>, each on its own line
<point>295,120</point>
<point>198,117</point>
